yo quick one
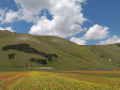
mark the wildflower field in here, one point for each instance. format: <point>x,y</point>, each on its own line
<point>67,80</point>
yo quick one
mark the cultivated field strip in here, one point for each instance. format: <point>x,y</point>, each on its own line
<point>71,80</point>
<point>9,78</point>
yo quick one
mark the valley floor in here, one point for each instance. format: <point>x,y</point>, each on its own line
<point>60,80</point>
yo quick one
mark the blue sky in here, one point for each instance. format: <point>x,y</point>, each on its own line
<point>85,22</point>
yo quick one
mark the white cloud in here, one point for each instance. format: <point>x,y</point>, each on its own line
<point>34,5</point>
<point>7,28</point>
<point>58,27</point>
<point>79,41</point>
<point>2,14</point>
<point>96,32</point>
<point>66,13</point>
<point>28,16</point>
<point>111,40</point>
<point>10,16</point>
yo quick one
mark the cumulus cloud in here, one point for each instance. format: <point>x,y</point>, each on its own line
<point>96,32</point>
<point>7,28</point>
<point>36,5</point>
<point>10,16</point>
<point>79,41</point>
<point>2,14</point>
<point>65,13</point>
<point>58,27</point>
<point>111,40</point>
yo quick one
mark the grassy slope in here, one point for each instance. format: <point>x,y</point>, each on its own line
<point>70,55</point>
<point>111,51</point>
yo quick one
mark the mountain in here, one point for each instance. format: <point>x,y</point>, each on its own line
<point>70,56</point>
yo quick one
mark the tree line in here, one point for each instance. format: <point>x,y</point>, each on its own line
<point>41,61</point>
<point>27,49</point>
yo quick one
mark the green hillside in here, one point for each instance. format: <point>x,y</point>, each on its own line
<point>109,52</point>
<point>70,55</point>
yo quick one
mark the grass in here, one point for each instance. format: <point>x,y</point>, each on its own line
<point>70,55</point>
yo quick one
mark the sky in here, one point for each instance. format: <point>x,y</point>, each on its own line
<point>84,22</point>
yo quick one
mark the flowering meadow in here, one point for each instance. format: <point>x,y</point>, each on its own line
<point>67,80</point>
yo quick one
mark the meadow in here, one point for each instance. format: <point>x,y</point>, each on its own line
<point>60,80</point>
<point>71,56</point>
